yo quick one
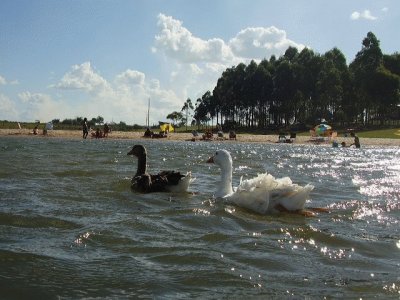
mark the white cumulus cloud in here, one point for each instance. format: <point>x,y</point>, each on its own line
<point>122,98</point>
<point>2,80</point>
<point>260,42</point>
<point>39,106</point>
<point>8,109</point>
<point>366,15</point>
<point>196,64</point>
<point>178,42</point>
<point>256,43</point>
<point>83,77</point>
<point>131,77</point>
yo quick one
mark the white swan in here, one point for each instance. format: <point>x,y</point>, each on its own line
<point>261,194</point>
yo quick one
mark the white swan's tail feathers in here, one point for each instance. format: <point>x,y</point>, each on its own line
<point>292,198</point>
<point>264,192</point>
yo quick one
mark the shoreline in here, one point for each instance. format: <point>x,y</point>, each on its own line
<point>241,138</point>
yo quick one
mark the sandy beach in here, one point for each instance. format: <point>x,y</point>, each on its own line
<point>246,138</point>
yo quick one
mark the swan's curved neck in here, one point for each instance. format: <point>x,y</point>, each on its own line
<point>225,187</point>
<point>141,168</point>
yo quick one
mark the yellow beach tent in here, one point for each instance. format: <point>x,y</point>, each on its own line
<point>167,127</point>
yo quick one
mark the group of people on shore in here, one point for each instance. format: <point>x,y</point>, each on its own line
<point>356,142</point>
<point>97,133</point>
<point>207,136</point>
<point>150,134</point>
<point>36,130</point>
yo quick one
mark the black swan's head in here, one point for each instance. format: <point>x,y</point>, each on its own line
<point>138,151</point>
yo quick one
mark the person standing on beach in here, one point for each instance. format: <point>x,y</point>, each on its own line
<point>85,128</point>
<point>356,140</point>
<point>106,130</point>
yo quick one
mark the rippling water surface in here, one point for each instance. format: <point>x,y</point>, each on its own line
<point>70,226</point>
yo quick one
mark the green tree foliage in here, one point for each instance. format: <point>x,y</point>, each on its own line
<point>376,87</point>
<point>392,63</point>
<point>205,106</point>
<point>186,107</point>
<point>100,120</point>
<point>175,117</point>
<point>303,87</point>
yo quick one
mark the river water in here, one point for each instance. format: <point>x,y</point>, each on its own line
<point>71,228</point>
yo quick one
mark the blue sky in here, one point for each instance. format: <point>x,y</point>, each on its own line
<point>64,59</point>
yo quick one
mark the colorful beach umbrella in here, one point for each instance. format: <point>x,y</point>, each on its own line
<point>323,129</point>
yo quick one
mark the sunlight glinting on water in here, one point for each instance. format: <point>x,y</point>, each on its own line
<point>91,221</point>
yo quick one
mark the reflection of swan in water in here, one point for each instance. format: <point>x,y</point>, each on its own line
<point>165,181</point>
<point>261,194</point>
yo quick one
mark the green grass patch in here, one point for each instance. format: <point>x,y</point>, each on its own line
<point>392,133</point>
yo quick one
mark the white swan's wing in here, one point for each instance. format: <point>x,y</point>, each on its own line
<point>256,201</point>
<point>252,194</point>
<point>264,193</point>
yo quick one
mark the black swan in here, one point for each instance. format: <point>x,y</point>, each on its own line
<point>165,181</point>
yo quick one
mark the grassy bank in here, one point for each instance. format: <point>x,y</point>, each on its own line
<point>390,133</point>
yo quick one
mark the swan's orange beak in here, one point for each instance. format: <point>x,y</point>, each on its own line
<point>211,160</point>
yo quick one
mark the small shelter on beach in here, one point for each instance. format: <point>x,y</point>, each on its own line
<point>166,127</point>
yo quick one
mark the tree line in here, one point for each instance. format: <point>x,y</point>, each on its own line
<point>93,123</point>
<point>78,121</point>
<point>304,87</point>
